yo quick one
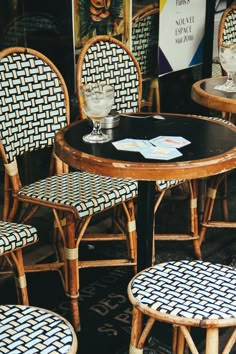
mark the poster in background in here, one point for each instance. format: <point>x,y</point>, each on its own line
<point>101,17</point>
<point>181,34</point>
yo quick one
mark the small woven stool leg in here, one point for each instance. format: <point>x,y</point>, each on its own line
<point>136,329</point>
<point>138,333</point>
<point>229,345</point>
<point>212,340</point>
<point>180,343</point>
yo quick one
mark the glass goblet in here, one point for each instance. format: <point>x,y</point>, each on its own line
<point>98,99</point>
<point>227,56</point>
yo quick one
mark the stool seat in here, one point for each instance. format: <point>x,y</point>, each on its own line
<point>27,329</point>
<point>185,294</point>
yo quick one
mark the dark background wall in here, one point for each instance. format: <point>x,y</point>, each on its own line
<point>47,26</point>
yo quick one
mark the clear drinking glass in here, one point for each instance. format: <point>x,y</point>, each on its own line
<point>227,56</point>
<point>98,99</point>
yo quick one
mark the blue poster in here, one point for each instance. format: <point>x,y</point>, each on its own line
<point>181,34</point>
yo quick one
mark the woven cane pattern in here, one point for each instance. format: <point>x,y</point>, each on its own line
<point>161,184</point>
<point>220,120</point>
<point>26,329</point>
<point>106,61</point>
<point>36,23</point>
<point>85,192</point>
<point>229,30</point>
<point>144,42</point>
<point>14,236</point>
<point>189,289</point>
<point>32,104</point>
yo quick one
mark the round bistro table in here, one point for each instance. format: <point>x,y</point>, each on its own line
<point>212,151</point>
<point>205,94</point>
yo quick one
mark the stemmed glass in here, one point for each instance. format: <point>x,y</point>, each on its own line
<point>227,56</point>
<point>98,99</point>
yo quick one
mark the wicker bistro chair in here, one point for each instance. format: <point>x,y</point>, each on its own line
<point>28,329</point>
<point>14,237</point>
<point>144,47</point>
<point>184,294</point>
<point>104,58</point>
<point>227,27</point>
<point>34,106</point>
<point>217,186</point>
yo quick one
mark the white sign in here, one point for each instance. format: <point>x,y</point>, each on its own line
<point>181,34</point>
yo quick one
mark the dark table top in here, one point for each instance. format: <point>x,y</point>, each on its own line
<point>212,149</point>
<point>205,94</point>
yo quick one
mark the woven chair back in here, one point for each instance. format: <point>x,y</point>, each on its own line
<point>145,39</point>
<point>34,102</point>
<point>104,58</point>
<point>227,26</point>
<point>36,23</point>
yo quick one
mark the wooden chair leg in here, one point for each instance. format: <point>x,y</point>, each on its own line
<point>212,341</point>
<point>20,279</point>
<point>193,187</point>
<point>209,205</point>
<point>132,235</point>
<point>180,342</point>
<point>174,339</point>
<point>136,331</point>
<point>224,201</point>
<point>72,271</point>
<point>154,96</point>
<point>230,343</point>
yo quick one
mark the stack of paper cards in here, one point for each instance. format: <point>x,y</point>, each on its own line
<point>160,148</point>
<point>170,141</point>
<point>160,153</point>
<point>132,144</point>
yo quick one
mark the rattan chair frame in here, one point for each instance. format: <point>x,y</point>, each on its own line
<point>115,81</point>
<point>217,187</point>
<point>227,26</point>
<point>143,15</point>
<point>11,257</point>
<point>70,228</point>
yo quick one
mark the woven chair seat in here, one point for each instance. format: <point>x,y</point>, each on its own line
<point>26,329</point>
<point>188,289</point>
<point>14,236</point>
<point>220,120</point>
<point>162,185</point>
<point>86,193</point>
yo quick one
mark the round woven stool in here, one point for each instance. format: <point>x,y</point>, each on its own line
<point>184,294</point>
<point>27,329</point>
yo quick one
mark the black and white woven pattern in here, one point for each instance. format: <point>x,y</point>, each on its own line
<point>86,193</point>
<point>26,329</point>
<point>162,185</point>
<point>14,236</point>
<point>32,106</point>
<point>229,31</point>
<point>220,120</point>
<point>106,61</point>
<point>145,42</point>
<point>33,24</point>
<point>190,289</point>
